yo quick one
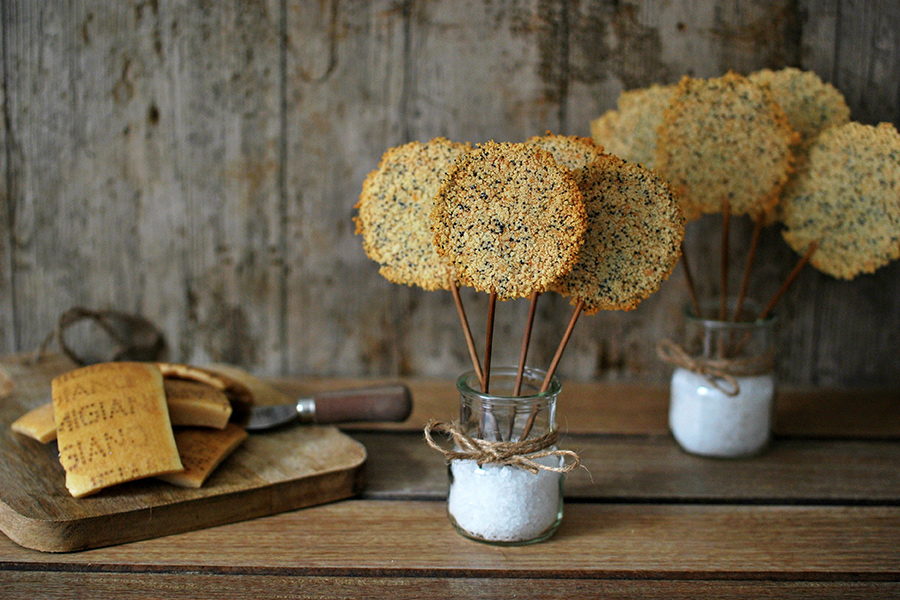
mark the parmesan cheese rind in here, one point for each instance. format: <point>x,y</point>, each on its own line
<point>633,239</point>
<point>202,451</point>
<point>631,132</point>
<point>725,139</point>
<point>509,219</point>
<point>192,403</point>
<point>112,425</point>
<point>847,198</point>
<point>394,209</point>
<point>37,424</point>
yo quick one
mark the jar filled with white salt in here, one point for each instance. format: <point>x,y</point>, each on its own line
<point>723,386</point>
<point>506,471</point>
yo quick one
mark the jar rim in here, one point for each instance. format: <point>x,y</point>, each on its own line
<point>712,306</point>
<point>467,383</point>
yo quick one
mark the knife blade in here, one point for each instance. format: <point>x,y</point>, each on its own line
<point>386,403</point>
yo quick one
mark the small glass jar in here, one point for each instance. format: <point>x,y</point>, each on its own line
<point>723,387</point>
<point>498,503</point>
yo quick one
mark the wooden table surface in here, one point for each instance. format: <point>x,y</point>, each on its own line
<point>816,516</point>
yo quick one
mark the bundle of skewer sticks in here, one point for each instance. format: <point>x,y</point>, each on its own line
<point>483,372</point>
<point>725,268</point>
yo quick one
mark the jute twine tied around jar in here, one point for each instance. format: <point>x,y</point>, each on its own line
<point>522,454</point>
<point>721,373</point>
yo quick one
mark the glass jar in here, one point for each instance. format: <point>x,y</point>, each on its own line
<point>506,503</point>
<point>723,387</point>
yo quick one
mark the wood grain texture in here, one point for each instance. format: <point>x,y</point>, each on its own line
<point>61,585</point>
<point>812,517</point>
<point>647,541</point>
<point>641,408</point>
<point>198,163</point>
<point>638,468</point>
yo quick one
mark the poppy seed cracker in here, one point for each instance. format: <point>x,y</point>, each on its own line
<point>509,219</point>
<point>847,198</point>
<point>631,131</point>
<point>725,139</point>
<point>394,212</point>
<point>633,240</point>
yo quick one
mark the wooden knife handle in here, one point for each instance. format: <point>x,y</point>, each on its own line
<point>383,403</point>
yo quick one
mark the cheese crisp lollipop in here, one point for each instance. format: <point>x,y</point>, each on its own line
<point>573,152</point>
<point>633,239</point>
<point>509,219</point>
<point>847,199</point>
<point>631,131</point>
<point>725,140</point>
<point>810,104</point>
<point>394,212</point>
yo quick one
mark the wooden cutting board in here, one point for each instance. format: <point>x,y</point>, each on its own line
<point>270,472</point>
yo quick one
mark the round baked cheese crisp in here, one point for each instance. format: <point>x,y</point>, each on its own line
<point>509,219</point>
<point>633,239</point>
<point>394,212</point>
<point>847,199</point>
<point>725,139</point>
<point>631,131</point>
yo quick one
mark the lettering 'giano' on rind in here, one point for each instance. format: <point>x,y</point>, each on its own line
<point>394,209</point>
<point>633,239</point>
<point>112,425</point>
<point>725,139</point>
<point>847,198</point>
<point>509,219</point>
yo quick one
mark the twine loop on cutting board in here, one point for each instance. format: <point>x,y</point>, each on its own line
<point>522,454</point>
<point>133,336</point>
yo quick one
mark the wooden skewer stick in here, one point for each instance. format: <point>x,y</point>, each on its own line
<point>726,228</point>
<point>526,341</point>
<point>751,258</point>
<point>689,279</point>
<point>559,352</point>
<point>790,279</point>
<point>470,342</point>
<point>488,343</point>
<point>562,346</point>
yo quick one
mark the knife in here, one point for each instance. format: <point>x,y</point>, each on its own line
<point>391,403</point>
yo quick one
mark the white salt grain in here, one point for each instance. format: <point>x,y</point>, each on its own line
<point>504,504</point>
<point>706,421</point>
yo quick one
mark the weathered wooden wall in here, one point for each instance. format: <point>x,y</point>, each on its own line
<point>197,162</point>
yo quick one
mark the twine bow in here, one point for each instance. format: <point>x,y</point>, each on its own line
<point>522,454</point>
<point>714,371</point>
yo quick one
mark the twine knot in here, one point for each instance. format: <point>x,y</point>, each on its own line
<point>715,372</point>
<point>522,454</point>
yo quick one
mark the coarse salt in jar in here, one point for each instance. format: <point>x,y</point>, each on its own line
<point>723,387</point>
<point>506,472</point>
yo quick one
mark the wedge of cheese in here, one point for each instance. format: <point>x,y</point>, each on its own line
<point>239,395</point>
<point>202,450</point>
<point>37,423</point>
<point>197,404</point>
<point>112,425</point>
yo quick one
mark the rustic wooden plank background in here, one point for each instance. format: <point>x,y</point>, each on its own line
<point>198,163</point>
